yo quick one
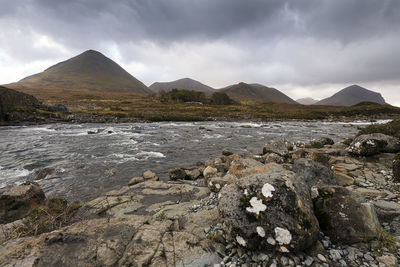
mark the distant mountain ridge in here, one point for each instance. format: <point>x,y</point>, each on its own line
<point>257,92</point>
<point>182,84</point>
<point>352,95</point>
<point>90,70</point>
<point>307,101</point>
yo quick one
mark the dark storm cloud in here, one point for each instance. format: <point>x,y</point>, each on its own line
<point>304,42</point>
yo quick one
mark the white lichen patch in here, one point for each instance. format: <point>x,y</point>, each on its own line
<point>256,206</point>
<point>282,236</point>
<point>218,186</point>
<point>271,241</point>
<point>241,241</point>
<point>246,193</point>
<point>267,190</point>
<point>260,231</point>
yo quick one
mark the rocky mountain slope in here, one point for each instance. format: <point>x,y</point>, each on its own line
<point>307,101</point>
<point>183,84</point>
<point>352,95</point>
<point>90,70</point>
<point>257,92</point>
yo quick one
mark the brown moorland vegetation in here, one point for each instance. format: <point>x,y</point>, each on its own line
<point>151,108</point>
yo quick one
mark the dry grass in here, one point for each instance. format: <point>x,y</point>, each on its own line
<point>56,213</point>
<point>150,108</point>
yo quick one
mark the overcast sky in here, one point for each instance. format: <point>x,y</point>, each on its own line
<point>301,47</point>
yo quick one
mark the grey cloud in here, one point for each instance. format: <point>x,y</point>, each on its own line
<point>305,42</point>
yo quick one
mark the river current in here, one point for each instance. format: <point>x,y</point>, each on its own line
<point>87,160</point>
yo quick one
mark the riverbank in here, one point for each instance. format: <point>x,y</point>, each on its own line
<point>320,204</point>
<point>147,109</point>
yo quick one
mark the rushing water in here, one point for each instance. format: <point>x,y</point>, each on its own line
<point>87,165</point>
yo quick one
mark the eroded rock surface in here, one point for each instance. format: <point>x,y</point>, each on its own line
<point>269,211</point>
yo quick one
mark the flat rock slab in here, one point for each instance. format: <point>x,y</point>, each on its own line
<point>145,198</point>
<point>133,241</point>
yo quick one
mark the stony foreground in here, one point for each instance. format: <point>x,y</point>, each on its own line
<point>293,205</point>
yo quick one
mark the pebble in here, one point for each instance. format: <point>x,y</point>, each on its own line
<point>321,257</point>
<point>309,260</point>
<point>368,257</point>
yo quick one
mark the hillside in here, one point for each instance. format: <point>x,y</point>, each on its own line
<point>243,92</point>
<point>307,101</point>
<point>183,84</point>
<point>90,70</point>
<point>352,95</point>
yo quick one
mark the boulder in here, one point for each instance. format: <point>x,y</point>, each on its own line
<point>396,169</point>
<point>276,146</point>
<point>272,157</point>
<point>345,216</point>
<point>387,210</point>
<point>209,172</point>
<point>18,200</point>
<point>193,174</point>
<point>149,175</point>
<point>388,260</point>
<point>239,165</point>
<point>226,152</point>
<point>268,211</point>
<point>176,174</point>
<point>371,144</point>
<point>313,173</point>
<point>324,141</point>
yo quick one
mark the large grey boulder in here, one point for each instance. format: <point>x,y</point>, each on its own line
<point>278,147</point>
<point>345,216</point>
<point>313,173</point>
<point>18,200</point>
<point>371,144</point>
<point>270,210</point>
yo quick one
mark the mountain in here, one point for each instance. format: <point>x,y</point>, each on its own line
<point>90,70</point>
<point>307,101</point>
<point>185,83</point>
<point>352,95</point>
<point>244,91</point>
<point>10,99</point>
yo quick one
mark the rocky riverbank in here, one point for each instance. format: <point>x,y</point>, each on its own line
<point>318,204</point>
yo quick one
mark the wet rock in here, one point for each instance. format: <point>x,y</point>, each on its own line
<point>345,216</point>
<point>278,147</point>
<point>18,200</point>
<point>226,152</point>
<point>43,173</point>
<point>136,180</point>
<point>149,175</point>
<point>269,211</point>
<point>396,169</point>
<point>313,173</point>
<point>325,141</point>
<point>177,174</point>
<point>371,144</point>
